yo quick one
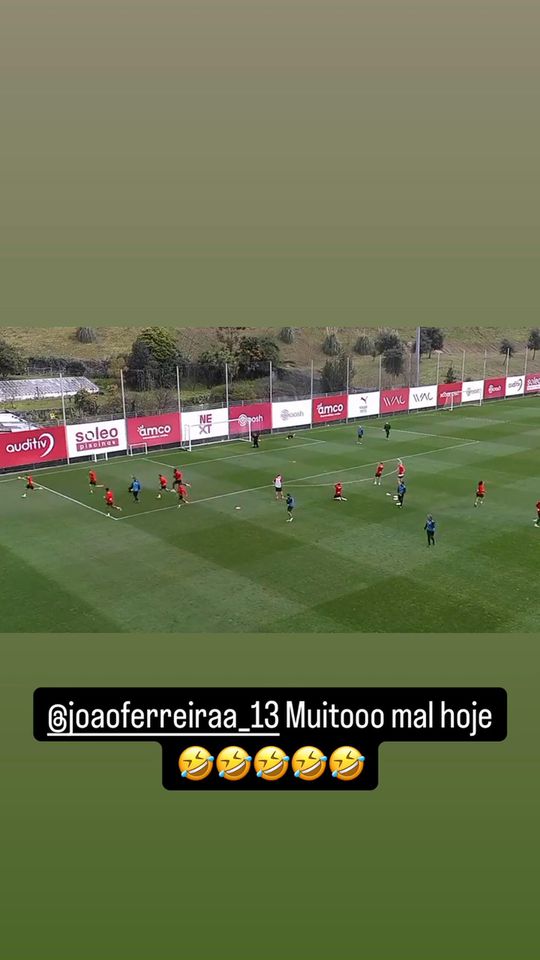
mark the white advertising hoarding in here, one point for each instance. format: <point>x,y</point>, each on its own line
<point>204,424</point>
<point>514,386</point>
<point>106,436</point>
<point>291,413</point>
<point>422,397</point>
<point>364,404</point>
<point>472,391</point>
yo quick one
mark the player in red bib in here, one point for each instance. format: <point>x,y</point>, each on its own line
<point>179,478</point>
<point>29,484</point>
<point>182,495</point>
<point>163,486</point>
<point>480,493</point>
<point>537,521</point>
<point>109,501</point>
<point>400,470</point>
<point>338,492</point>
<point>378,474</point>
<point>93,480</point>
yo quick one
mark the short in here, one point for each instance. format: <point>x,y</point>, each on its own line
<point>163,486</point>
<point>378,476</point>
<point>29,486</point>
<point>538,514</point>
<point>278,489</point>
<point>290,509</point>
<point>93,483</point>
<point>480,496</point>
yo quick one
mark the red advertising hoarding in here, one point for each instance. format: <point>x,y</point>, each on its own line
<point>395,401</point>
<point>495,388</point>
<point>256,415</point>
<point>329,409</point>
<point>154,431</point>
<point>449,394</point>
<point>532,383</point>
<point>32,446</point>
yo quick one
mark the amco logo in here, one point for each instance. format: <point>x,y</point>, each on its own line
<point>158,431</point>
<point>43,444</point>
<point>290,414</point>
<point>330,409</point>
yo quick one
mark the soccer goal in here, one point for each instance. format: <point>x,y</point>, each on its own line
<point>102,455</point>
<point>136,449</point>
<point>226,431</point>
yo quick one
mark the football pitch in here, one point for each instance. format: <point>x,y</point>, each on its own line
<point>359,565</point>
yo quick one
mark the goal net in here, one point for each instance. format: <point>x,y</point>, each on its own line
<point>102,455</point>
<point>137,448</point>
<point>226,431</point>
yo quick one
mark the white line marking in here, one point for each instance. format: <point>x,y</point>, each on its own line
<point>299,480</point>
<point>437,436</point>
<point>79,503</point>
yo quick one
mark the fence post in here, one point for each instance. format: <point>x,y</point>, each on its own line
<point>463,368</point>
<point>525,367</point>
<point>380,373</point>
<point>311,400</point>
<point>418,337</point>
<point>348,384</point>
<point>124,405</point>
<point>63,408</point>
<point>179,401</point>
<point>227,397</point>
<point>485,364</point>
<point>507,362</point>
<point>438,365</point>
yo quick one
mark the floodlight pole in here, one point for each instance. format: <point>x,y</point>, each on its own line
<point>348,380</point>
<point>526,358</point>
<point>463,368</point>
<point>418,337</point>
<point>311,400</point>
<point>485,364</point>
<point>227,398</point>
<point>271,389</point>
<point>64,410</point>
<point>507,362</point>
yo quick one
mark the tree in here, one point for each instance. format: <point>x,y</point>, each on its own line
<point>364,346</point>
<point>450,375</point>
<point>533,342</point>
<point>86,335</point>
<point>212,366</point>
<point>331,344</point>
<point>393,360</point>
<point>153,359</point>
<point>230,337</point>
<point>85,403</point>
<point>11,360</point>
<point>431,338</point>
<point>254,354</point>
<point>506,347</point>
<point>334,375</point>
<point>387,340</point>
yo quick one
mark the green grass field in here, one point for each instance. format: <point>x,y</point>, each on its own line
<point>362,565</point>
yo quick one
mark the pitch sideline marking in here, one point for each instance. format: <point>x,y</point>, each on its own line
<point>79,503</point>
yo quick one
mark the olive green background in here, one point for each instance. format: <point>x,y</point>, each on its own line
<point>221,161</point>
<point>100,861</point>
<point>274,163</point>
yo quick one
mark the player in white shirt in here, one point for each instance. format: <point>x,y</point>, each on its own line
<point>278,486</point>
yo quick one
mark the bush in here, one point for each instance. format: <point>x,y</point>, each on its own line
<point>254,355</point>
<point>241,391</point>
<point>450,376</point>
<point>334,375</point>
<point>331,345</point>
<point>12,361</point>
<point>364,346</point>
<point>86,335</point>
<point>211,366</point>
<point>287,334</point>
<point>393,360</point>
<point>387,340</point>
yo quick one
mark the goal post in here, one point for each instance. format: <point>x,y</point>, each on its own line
<point>228,431</point>
<point>102,455</point>
<point>138,448</point>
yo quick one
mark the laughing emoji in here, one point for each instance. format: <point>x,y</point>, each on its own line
<point>271,763</point>
<point>233,763</point>
<point>195,763</point>
<point>308,763</point>
<point>346,763</point>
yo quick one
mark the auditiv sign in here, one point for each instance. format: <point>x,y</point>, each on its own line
<point>32,446</point>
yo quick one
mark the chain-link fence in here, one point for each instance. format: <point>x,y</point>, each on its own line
<point>195,386</point>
